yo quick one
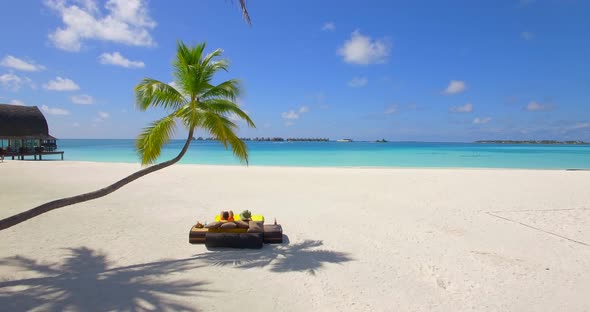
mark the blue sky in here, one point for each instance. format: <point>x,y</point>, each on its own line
<point>401,70</point>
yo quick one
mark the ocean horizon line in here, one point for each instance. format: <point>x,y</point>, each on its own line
<point>329,140</point>
<point>482,141</point>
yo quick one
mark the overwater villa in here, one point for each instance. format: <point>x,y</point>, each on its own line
<point>24,132</point>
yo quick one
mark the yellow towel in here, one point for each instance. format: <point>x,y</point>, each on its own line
<point>257,218</point>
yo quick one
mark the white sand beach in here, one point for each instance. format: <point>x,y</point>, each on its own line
<point>358,239</point>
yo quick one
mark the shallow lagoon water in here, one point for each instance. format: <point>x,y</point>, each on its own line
<point>353,154</point>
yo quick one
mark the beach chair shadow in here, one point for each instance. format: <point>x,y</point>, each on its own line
<point>86,281</point>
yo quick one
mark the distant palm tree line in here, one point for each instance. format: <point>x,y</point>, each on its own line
<point>269,139</point>
<point>531,142</point>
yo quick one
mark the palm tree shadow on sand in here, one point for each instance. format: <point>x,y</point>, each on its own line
<point>305,256</point>
<point>85,281</point>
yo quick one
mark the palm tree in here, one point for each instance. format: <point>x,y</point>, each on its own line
<point>245,14</point>
<point>193,101</point>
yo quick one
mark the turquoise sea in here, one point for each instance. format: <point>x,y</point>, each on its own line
<point>354,154</point>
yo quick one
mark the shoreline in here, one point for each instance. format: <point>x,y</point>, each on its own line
<point>305,167</point>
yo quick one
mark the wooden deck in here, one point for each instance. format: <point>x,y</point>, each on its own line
<point>36,155</point>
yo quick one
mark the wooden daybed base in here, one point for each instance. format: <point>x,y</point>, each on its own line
<point>236,238</point>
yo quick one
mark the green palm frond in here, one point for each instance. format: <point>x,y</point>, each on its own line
<point>207,59</point>
<point>245,14</point>
<point>227,108</point>
<point>207,72</point>
<point>218,65</point>
<point>209,69</point>
<point>186,67</point>
<point>229,89</point>
<point>191,117</point>
<point>150,141</point>
<point>219,126</point>
<point>187,56</point>
<point>223,129</point>
<point>151,92</point>
<point>239,148</point>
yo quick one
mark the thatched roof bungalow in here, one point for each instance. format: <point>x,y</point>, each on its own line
<point>23,130</point>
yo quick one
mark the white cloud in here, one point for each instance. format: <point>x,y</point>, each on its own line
<point>125,21</point>
<point>10,81</point>
<point>14,82</point>
<point>360,49</point>
<point>83,99</point>
<point>391,109</point>
<point>467,108</point>
<point>455,86</point>
<point>357,82</point>
<point>54,111</point>
<point>18,64</point>
<point>290,116</point>
<point>61,84</point>
<point>102,116</point>
<point>117,59</point>
<point>527,35</point>
<point>329,26</point>
<point>17,102</point>
<point>583,125</point>
<point>538,107</point>
<point>318,100</point>
<point>76,124</point>
<point>9,78</point>
<point>482,121</point>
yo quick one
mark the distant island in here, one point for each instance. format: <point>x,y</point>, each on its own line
<point>268,139</point>
<point>532,142</point>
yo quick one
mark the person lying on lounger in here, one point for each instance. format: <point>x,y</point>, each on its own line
<point>227,216</point>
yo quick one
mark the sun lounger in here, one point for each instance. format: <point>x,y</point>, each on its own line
<point>254,237</point>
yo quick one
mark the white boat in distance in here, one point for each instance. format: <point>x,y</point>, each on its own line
<point>344,140</point>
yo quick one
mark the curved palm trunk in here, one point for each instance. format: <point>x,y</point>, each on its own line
<point>26,215</point>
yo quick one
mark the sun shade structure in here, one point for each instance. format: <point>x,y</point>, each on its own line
<point>24,132</point>
<point>22,122</point>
